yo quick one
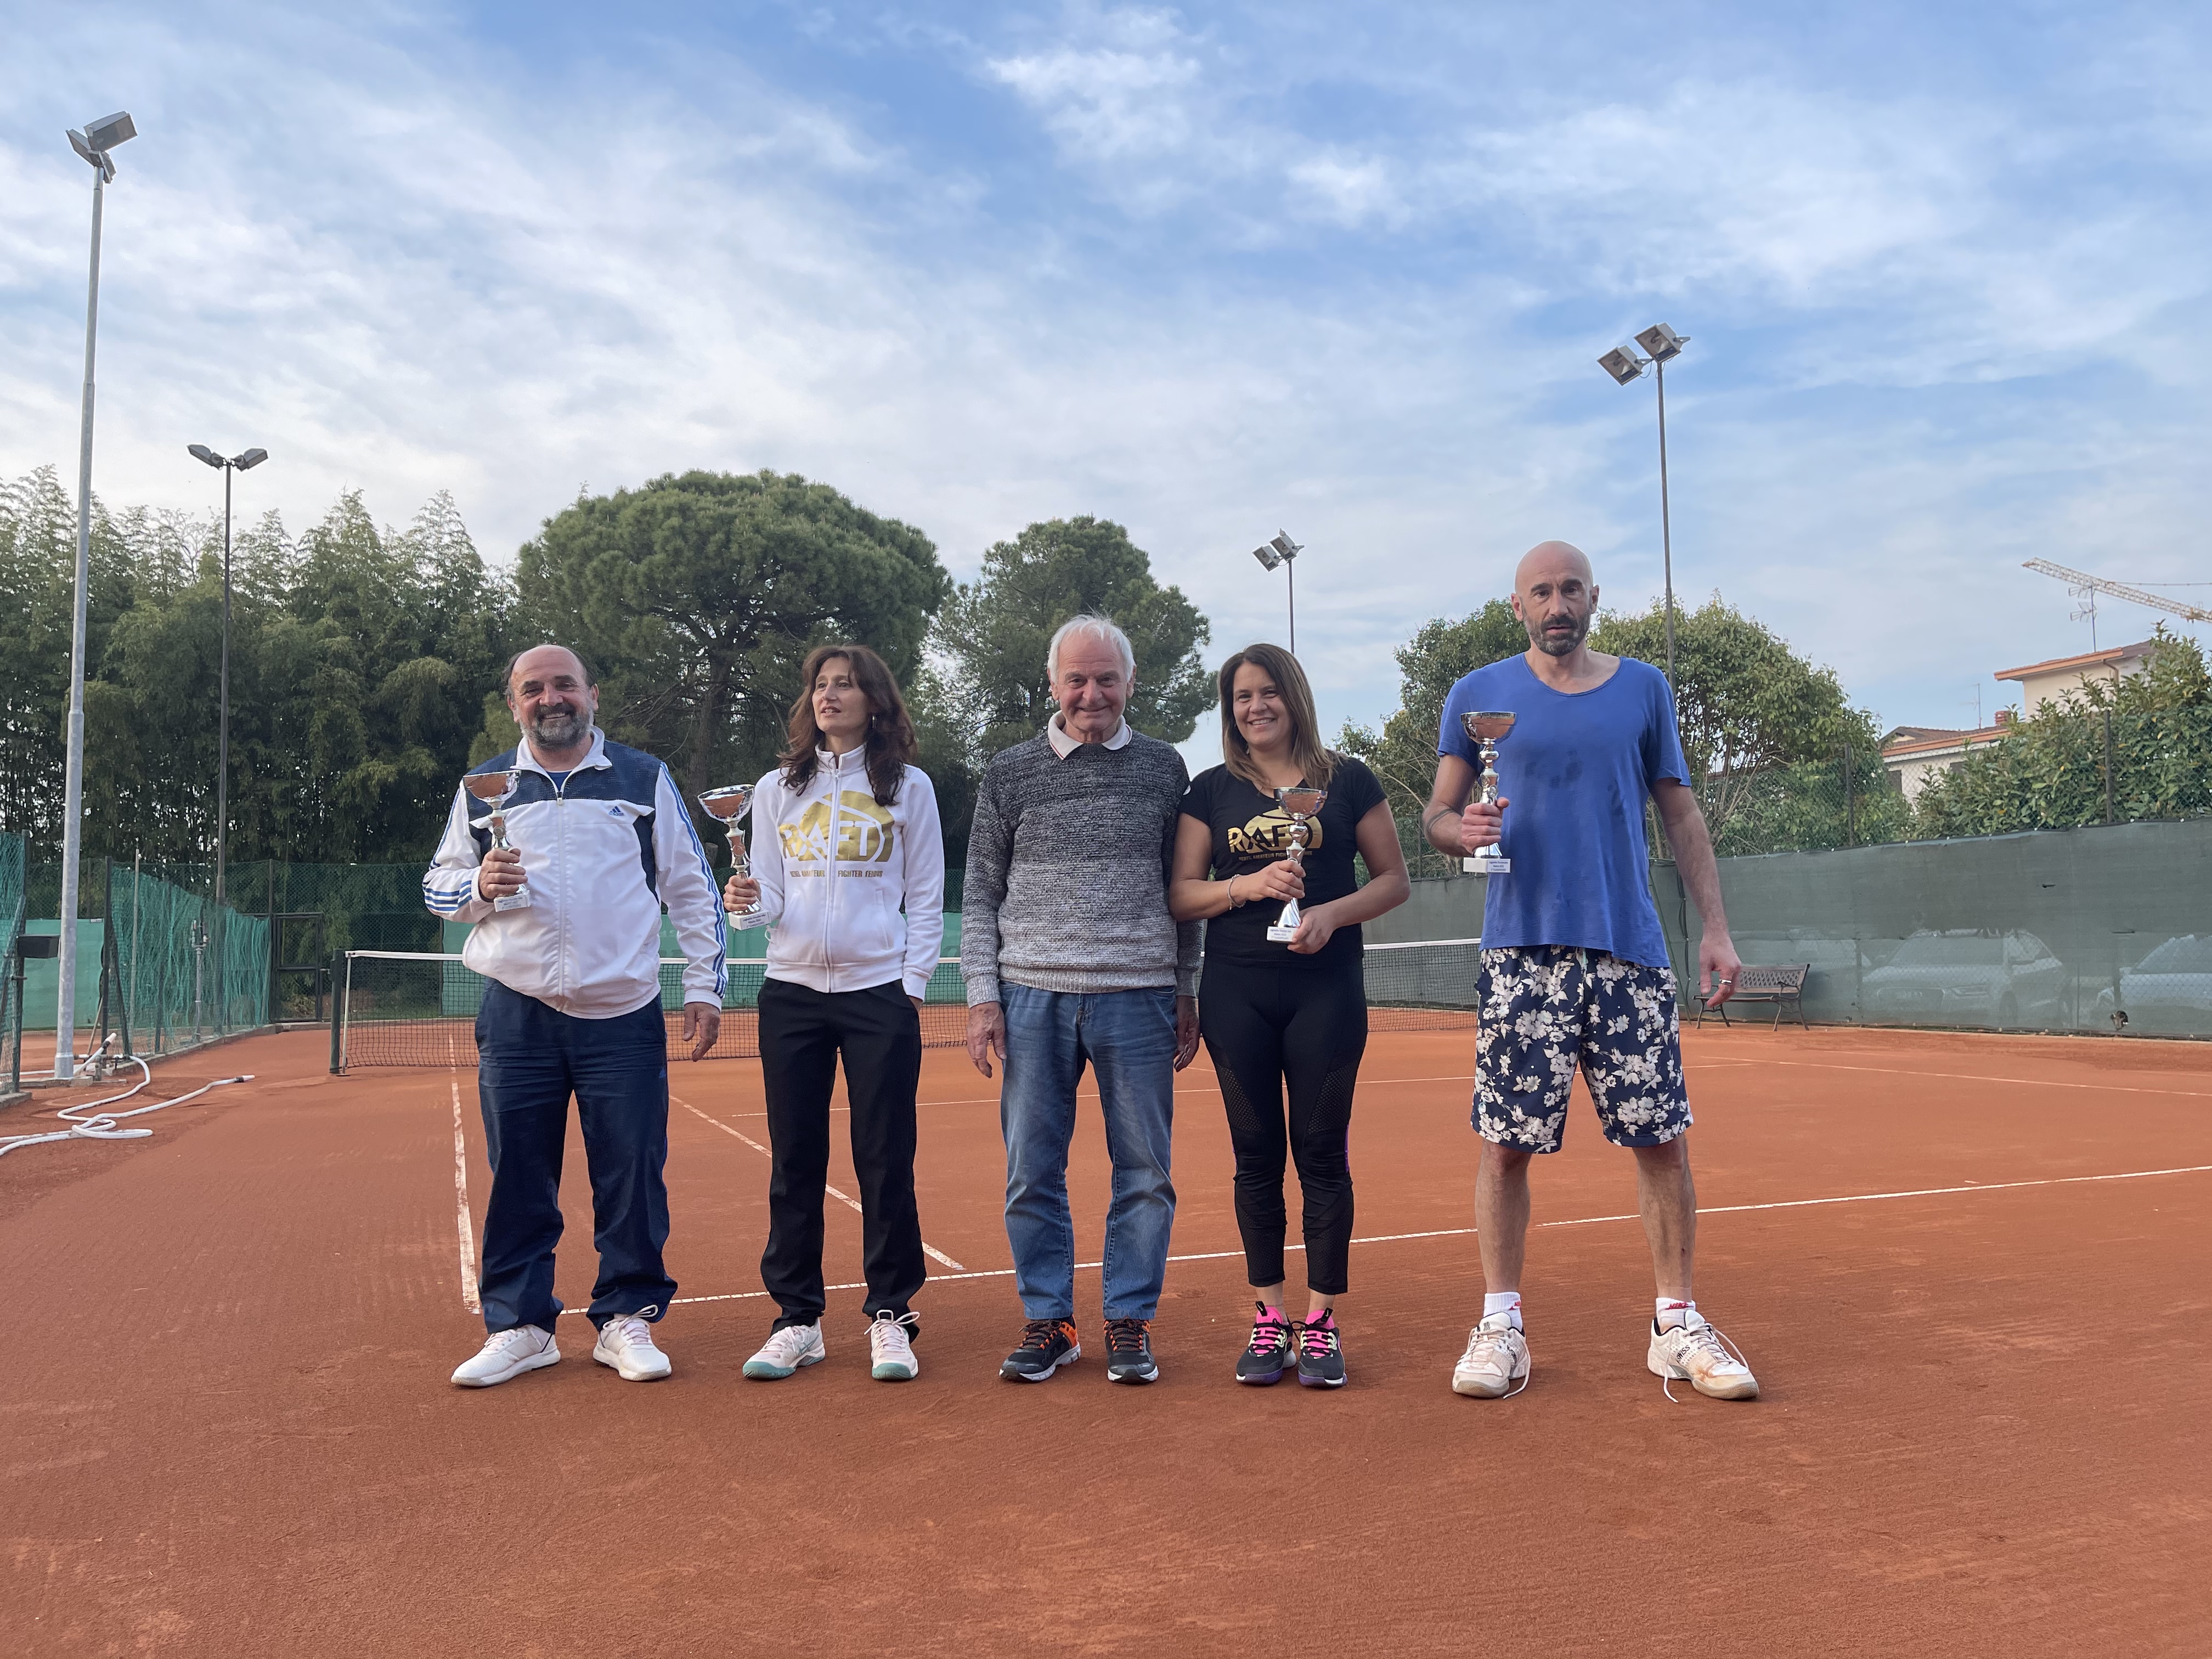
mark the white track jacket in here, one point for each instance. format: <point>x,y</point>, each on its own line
<point>836,871</point>
<point>603,852</point>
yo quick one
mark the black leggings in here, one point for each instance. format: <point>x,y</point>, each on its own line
<point>801,1031</point>
<point>1306,1026</point>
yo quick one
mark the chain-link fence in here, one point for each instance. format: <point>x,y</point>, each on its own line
<point>160,963</point>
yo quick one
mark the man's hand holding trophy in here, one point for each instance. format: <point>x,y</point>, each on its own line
<point>1482,825</point>
<point>500,879</point>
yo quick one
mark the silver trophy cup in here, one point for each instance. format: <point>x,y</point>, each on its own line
<point>1485,729</point>
<point>495,789</point>
<point>1299,802</point>
<point>727,806</point>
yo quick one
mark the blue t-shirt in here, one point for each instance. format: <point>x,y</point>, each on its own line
<point>1576,771</point>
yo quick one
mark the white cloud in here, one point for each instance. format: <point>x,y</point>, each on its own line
<point>1216,283</point>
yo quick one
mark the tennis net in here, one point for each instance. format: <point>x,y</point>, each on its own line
<point>408,1008</point>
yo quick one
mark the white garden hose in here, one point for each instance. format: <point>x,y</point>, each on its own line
<point>90,1120</point>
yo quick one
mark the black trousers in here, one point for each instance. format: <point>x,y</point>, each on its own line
<point>1306,1027</point>
<point>801,1032</point>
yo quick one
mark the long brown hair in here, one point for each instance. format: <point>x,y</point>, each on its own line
<point>889,746</point>
<point>1313,761</point>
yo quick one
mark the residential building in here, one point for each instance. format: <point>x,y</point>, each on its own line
<point>1912,755</point>
<point>2049,682</point>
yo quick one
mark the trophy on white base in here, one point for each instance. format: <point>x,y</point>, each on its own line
<point>727,805</point>
<point>1486,729</point>
<point>1299,802</point>
<point>495,789</point>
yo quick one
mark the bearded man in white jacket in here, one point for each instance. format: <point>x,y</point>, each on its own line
<point>848,865</point>
<point>572,1005</point>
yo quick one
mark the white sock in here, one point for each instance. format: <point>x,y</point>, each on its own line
<point>1503,1301</point>
<point>1668,1313</point>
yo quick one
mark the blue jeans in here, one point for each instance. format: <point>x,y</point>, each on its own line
<point>1129,1036</point>
<point>530,1059</point>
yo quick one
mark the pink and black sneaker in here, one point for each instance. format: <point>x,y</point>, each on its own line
<point>1321,1354</point>
<point>1272,1350</point>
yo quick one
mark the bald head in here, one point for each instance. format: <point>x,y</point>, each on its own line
<point>1554,594</point>
<point>1555,560</point>
<point>550,693</point>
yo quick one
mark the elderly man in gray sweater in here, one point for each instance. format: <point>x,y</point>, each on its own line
<point>1070,957</point>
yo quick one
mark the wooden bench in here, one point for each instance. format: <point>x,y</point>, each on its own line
<point>1782,985</point>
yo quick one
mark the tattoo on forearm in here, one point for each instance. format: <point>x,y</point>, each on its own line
<point>1429,822</point>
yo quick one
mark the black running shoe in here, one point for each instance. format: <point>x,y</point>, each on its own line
<point>1047,1344</point>
<point>1129,1352</point>
<point>1272,1351</point>
<point>1321,1355</point>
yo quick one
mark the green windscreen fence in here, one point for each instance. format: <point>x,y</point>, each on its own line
<point>2105,928</point>
<point>13,913</point>
<point>178,967</point>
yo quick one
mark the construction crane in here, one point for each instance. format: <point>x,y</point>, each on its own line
<point>2085,585</point>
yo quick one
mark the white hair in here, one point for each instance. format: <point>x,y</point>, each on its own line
<point>1095,627</point>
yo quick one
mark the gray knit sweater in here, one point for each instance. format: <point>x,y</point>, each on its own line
<point>1068,868</point>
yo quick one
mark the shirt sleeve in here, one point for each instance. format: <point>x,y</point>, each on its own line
<point>764,845</point>
<point>691,895</point>
<point>1363,793</point>
<point>449,885</point>
<point>1198,798</point>
<point>925,880</point>
<point>990,848</point>
<point>1452,740</point>
<point>1663,738</point>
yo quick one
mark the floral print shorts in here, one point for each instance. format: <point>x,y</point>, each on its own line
<point>1547,1009</point>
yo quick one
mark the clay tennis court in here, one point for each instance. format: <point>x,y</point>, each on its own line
<point>1988,1378</point>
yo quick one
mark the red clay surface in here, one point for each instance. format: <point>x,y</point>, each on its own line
<point>227,1429</point>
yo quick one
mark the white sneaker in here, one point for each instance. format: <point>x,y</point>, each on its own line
<point>1497,1357</point>
<point>507,1354</point>
<point>626,1343</point>
<point>1695,1351</point>
<point>787,1350</point>
<point>890,1350</point>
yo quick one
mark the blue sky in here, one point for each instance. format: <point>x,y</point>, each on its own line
<point>1207,271</point>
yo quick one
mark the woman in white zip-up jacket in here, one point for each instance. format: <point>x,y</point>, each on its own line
<point>848,865</point>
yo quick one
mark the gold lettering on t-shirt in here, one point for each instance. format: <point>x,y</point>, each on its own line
<point>1268,836</point>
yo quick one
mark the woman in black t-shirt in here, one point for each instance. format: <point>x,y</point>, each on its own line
<point>1284,1013</point>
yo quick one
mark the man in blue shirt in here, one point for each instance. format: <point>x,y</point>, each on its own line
<point>1574,965</point>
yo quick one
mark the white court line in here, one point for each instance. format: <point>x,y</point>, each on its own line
<point>928,1249</point>
<point>1577,1221</point>
<point>1969,1076</point>
<point>461,1201</point>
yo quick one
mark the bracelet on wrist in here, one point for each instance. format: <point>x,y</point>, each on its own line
<point>1235,903</point>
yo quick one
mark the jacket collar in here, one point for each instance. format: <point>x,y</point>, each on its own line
<point>525,757</point>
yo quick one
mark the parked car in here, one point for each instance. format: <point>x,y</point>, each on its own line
<point>1969,976</point>
<point>2169,990</point>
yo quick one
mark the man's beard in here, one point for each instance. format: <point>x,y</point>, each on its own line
<point>558,729</point>
<point>1560,645</point>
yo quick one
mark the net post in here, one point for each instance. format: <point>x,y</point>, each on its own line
<point>341,981</point>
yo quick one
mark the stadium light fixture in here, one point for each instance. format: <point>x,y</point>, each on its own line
<point>1625,365</point>
<point>1282,551</point>
<point>250,459</point>
<point>94,144</point>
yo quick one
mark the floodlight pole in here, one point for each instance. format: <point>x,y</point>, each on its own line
<point>1290,573</point>
<point>73,774</point>
<point>222,719</point>
<point>1666,527</point>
